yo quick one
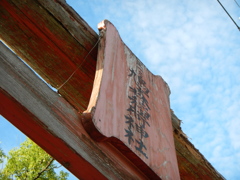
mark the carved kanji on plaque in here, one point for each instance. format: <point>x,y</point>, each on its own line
<point>129,107</point>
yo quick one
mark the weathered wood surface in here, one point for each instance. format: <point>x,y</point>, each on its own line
<point>47,118</point>
<point>191,163</point>
<point>131,105</point>
<point>53,39</point>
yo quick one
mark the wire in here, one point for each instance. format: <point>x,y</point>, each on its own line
<point>237,3</point>
<point>79,65</point>
<point>229,15</point>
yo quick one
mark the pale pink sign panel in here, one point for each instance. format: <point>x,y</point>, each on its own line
<point>132,105</point>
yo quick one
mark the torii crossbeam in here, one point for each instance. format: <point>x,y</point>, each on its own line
<point>54,40</point>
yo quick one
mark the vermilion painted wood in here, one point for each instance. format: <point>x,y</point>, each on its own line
<point>53,49</point>
<point>131,104</point>
<point>30,105</point>
<point>53,39</point>
<point>23,120</point>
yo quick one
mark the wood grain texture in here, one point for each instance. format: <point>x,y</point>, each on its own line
<point>48,119</point>
<point>51,45</point>
<point>50,37</point>
<point>131,106</point>
<point>192,164</point>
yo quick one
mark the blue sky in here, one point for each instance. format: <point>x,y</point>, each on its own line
<point>195,47</point>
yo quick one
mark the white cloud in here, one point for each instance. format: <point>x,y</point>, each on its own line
<point>195,47</point>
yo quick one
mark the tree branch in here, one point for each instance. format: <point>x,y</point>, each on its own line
<point>45,169</point>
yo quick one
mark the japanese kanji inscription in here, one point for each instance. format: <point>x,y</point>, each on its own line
<point>130,107</point>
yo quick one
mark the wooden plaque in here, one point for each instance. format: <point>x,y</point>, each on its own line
<point>130,108</point>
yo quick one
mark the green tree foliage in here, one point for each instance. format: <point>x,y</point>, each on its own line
<point>30,162</point>
<point>2,156</point>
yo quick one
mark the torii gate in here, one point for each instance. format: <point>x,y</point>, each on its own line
<point>54,41</point>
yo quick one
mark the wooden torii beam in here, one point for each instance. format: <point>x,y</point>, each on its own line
<point>47,118</point>
<point>50,37</point>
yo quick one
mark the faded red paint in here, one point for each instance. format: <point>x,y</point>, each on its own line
<point>43,43</point>
<point>25,122</point>
<point>125,90</point>
<point>55,56</point>
<point>42,114</point>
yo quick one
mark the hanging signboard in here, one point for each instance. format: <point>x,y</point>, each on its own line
<point>129,107</point>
